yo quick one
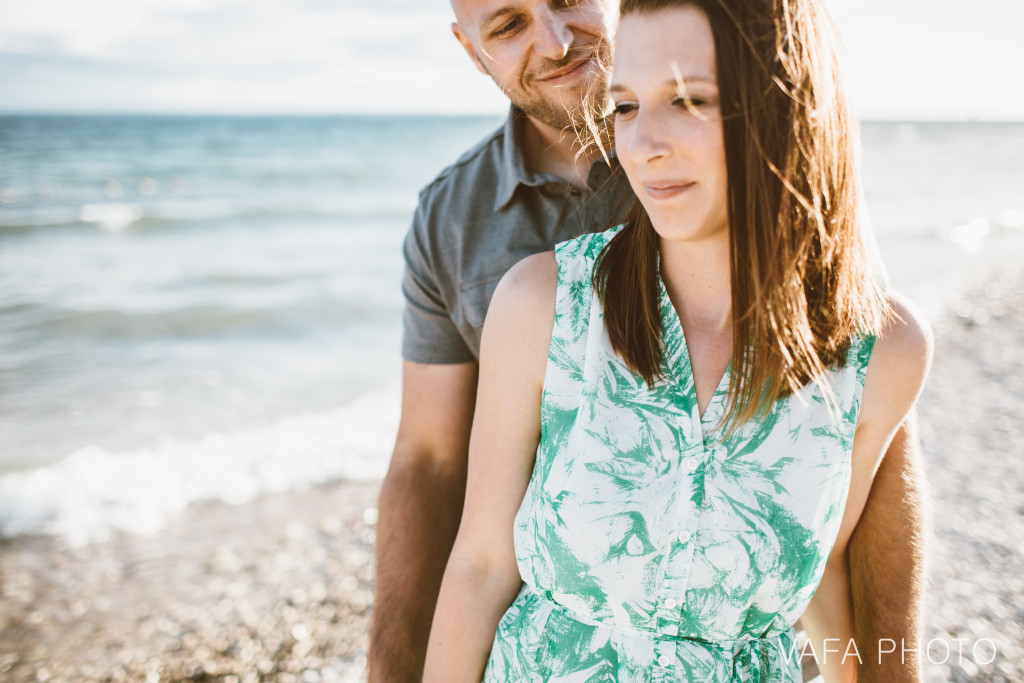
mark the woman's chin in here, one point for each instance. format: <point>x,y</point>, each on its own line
<point>682,230</point>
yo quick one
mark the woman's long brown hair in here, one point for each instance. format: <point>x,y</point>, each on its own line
<point>801,288</point>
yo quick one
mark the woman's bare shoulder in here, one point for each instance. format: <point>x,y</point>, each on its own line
<point>906,329</point>
<point>527,290</point>
<point>904,344</point>
<point>522,312</point>
<point>899,361</point>
<point>535,275</point>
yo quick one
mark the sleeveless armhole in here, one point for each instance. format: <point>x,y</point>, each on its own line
<point>861,347</point>
<point>860,355</point>
<point>563,375</point>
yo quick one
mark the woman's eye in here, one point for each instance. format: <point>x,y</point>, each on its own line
<point>689,102</point>
<point>623,108</point>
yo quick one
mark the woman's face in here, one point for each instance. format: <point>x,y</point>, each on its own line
<point>668,124</point>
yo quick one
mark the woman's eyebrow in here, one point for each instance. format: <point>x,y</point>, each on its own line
<point>669,83</point>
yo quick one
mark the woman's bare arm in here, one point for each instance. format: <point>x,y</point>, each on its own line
<point>482,578</point>
<point>895,377</point>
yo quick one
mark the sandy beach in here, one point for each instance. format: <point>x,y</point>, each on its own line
<point>281,589</point>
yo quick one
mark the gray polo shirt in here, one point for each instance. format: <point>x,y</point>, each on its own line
<point>477,219</point>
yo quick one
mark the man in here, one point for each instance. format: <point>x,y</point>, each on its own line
<point>521,190</point>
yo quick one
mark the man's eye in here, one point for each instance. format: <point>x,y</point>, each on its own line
<point>623,108</point>
<point>507,28</point>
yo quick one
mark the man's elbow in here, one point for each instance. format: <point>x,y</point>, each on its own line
<point>419,464</point>
<point>422,488</point>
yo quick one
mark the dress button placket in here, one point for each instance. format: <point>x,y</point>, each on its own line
<point>679,559</point>
<point>664,660</point>
<point>679,556</point>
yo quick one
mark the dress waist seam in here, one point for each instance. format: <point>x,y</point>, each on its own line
<point>728,645</point>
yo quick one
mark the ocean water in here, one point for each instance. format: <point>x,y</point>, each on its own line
<point>202,308</point>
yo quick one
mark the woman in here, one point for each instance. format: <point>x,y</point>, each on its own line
<point>679,419</point>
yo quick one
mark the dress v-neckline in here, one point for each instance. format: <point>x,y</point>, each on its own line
<point>680,366</point>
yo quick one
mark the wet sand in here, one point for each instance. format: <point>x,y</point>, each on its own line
<point>281,589</point>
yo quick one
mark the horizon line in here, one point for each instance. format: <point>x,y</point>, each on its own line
<point>407,115</point>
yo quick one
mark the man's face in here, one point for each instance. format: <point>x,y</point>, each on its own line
<point>551,57</point>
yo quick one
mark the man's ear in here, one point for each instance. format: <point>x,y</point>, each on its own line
<point>463,39</point>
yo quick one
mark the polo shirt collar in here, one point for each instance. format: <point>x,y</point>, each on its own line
<point>512,172</point>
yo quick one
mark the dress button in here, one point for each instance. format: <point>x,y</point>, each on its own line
<point>692,466</point>
<point>664,660</point>
<point>684,536</point>
<point>671,603</point>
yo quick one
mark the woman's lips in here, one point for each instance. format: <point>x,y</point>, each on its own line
<point>667,189</point>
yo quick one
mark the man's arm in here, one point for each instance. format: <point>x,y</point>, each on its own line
<point>887,565</point>
<point>885,572</point>
<point>420,506</point>
<point>874,563</point>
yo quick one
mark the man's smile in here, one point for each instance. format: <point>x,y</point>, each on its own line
<point>567,73</point>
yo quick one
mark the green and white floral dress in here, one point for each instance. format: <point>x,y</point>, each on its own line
<point>650,549</point>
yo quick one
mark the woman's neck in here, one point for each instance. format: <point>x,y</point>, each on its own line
<point>697,277</point>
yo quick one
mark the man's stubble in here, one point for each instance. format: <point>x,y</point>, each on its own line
<point>591,95</point>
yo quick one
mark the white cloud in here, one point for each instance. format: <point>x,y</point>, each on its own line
<point>906,58</point>
<point>86,29</point>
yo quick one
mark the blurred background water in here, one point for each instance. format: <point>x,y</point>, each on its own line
<point>209,307</point>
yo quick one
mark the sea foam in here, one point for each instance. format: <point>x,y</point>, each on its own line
<point>111,216</point>
<point>92,493</point>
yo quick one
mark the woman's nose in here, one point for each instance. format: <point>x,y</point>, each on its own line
<point>646,140</point>
<point>554,37</point>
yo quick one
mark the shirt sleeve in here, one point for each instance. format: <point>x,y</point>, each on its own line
<point>429,334</point>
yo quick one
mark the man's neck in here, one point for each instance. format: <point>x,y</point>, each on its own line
<point>547,149</point>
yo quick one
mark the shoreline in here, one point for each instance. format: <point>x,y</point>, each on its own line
<point>280,588</point>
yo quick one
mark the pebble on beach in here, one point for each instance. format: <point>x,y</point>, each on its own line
<point>278,590</point>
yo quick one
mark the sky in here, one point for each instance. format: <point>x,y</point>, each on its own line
<point>905,59</point>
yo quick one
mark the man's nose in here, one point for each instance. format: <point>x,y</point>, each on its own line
<point>553,34</point>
